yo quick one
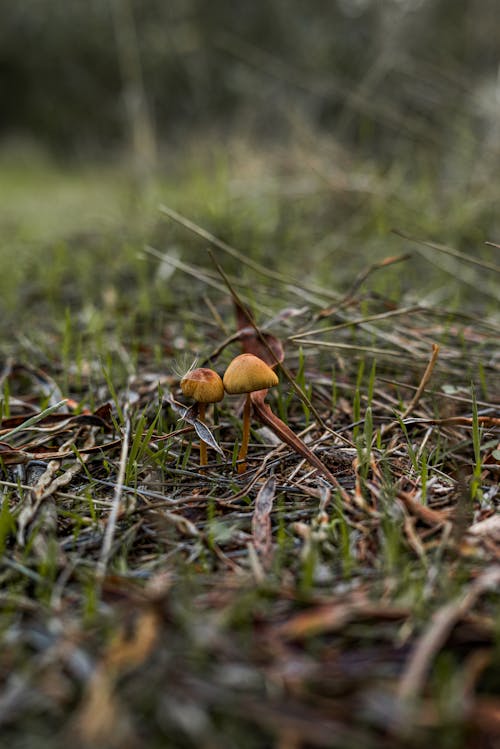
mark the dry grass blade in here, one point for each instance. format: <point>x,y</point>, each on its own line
<point>426,514</point>
<point>216,242</point>
<point>261,522</point>
<point>191,270</point>
<point>382,352</point>
<point>483,264</point>
<point>418,393</point>
<point>34,419</point>
<point>115,507</point>
<point>358,281</point>
<point>433,638</point>
<point>335,616</point>
<point>356,321</point>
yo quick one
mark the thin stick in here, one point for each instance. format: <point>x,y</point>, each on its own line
<point>423,382</point>
<point>113,515</point>
<point>433,638</point>
<point>419,392</point>
<point>357,321</point>
<point>283,369</point>
<point>449,251</point>
<point>204,234</point>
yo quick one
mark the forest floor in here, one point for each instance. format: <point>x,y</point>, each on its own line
<point>148,602</point>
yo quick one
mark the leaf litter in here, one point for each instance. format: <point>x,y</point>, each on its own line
<point>343,591</point>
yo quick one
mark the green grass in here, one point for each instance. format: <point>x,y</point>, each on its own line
<point>245,650</point>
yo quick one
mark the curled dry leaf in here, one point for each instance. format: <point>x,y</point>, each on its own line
<point>201,429</point>
<point>264,413</point>
<point>251,342</point>
<point>206,435</point>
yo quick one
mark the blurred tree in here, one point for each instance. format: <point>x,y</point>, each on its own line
<point>88,74</point>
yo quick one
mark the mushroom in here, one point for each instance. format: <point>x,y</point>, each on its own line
<point>204,386</point>
<point>246,374</point>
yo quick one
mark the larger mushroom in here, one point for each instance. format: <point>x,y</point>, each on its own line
<point>204,386</point>
<point>246,374</point>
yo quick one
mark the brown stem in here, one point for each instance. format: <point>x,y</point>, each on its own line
<point>203,448</point>
<point>263,412</point>
<point>245,437</point>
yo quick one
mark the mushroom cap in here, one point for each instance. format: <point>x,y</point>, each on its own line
<point>203,385</point>
<point>247,373</point>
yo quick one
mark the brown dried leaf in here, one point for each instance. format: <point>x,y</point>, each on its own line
<point>264,413</point>
<point>333,617</point>
<point>261,521</point>
<point>251,342</point>
<point>432,639</point>
<point>101,719</point>
<point>201,429</point>
<point>10,456</point>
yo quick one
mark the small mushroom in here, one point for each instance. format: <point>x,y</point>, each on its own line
<point>246,374</point>
<point>204,386</point>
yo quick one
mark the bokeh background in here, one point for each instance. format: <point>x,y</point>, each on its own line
<point>77,75</point>
<point>302,133</point>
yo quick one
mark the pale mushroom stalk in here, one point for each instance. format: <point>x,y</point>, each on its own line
<point>245,437</point>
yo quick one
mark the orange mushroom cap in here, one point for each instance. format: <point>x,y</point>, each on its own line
<point>247,373</point>
<point>203,385</point>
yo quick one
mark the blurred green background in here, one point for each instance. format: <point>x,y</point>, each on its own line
<point>301,133</point>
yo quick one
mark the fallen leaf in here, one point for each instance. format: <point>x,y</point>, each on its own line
<point>261,521</point>
<point>201,429</point>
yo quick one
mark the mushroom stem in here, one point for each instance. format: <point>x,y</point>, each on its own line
<point>203,448</point>
<point>245,438</point>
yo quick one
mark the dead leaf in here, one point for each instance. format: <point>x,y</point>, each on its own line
<point>333,617</point>
<point>431,641</point>
<point>101,719</point>
<point>201,429</point>
<point>488,527</point>
<point>261,521</point>
<point>264,413</point>
<point>252,343</point>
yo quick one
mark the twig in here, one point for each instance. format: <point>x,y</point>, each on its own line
<point>419,392</point>
<point>433,638</point>
<point>113,515</point>
<point>358,321</point>
<point>212,239</point>
<point>449,251</point>
<point>423,382</point>
<point>358,281</point>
